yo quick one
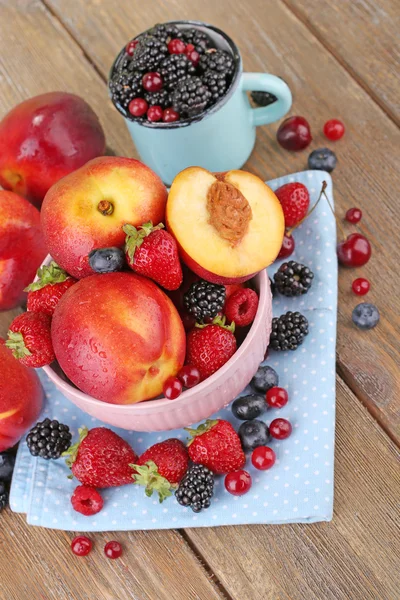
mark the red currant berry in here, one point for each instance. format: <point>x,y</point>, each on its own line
<point>355,251</point>
<point>169,115</point>
<point>189,376</point>
<point>154,113</point>
<point>294,134</point>
<point>287,246</point>
<point>176,46</point>
<point>189,48</point>
<point>280,429</point>
<point>172,388</point>
<point>277,397</point>
<point>138,107</point>
<point>334,130</point>
<point>81,545</point>
<point>360,286</point>
<point>152,82</point>
<point>263,458</point>
<point>130,47</point>
<point>113,549</point>
<point>238,482</point>
<point>194,57</point>
<point>353,215</point>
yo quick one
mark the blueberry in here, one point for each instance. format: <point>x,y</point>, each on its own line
<point>322,159</point>
<point>253,434</point>
<point>265,378</point>
<point>250,407</point>
<point>365,315</point>
<point>6,466</point>
<point>3,495</point>
<point>107,260</point>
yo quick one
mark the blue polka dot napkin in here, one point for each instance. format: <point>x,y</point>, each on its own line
<point>299,488</point>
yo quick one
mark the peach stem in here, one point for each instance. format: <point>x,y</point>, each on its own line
<point>105,207</point>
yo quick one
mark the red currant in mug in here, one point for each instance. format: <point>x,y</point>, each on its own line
<point>238,483</point>
<point>172,388</point>
<point>189,376</point>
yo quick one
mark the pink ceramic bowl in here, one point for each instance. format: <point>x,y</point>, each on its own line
<point>192,405</point>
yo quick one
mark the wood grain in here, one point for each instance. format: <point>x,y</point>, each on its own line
<point>366,176</point>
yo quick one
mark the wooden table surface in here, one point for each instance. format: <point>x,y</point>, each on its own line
<point>340,60</point>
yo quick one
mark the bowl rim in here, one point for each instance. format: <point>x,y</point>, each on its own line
<point>187,395</point>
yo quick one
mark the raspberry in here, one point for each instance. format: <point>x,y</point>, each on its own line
<point>242,307</point>
<point>295,200</point>
<point>86,500</point>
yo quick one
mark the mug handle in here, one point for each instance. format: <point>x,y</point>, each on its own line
<point>265,82</point>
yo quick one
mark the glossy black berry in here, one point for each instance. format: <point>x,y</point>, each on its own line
<point>7,462</point>
<point>322,159</point>
<point>248,408</point>
<point>217,60</point>
<point>107,260</point>
<point>48,439</point>
<point>253,434</point>
<point>199,39</point>
<point>124,87</point>
<point>196,488</point>
<point>288,331</point>
<point>190,97</point>
<point>263,98</point>
<point>366,315</point>
<point>148,54</point>
<point>165,32</point>
<point>161,98</point>
<point>174,68</point>
<point>216,82</point>
<point>265,378</point>
<point>204,300</point>
<point>293,279</point>
<point>3,495</point>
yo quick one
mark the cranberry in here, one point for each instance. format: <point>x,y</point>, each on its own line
<point>294,134</point>
<point>138,107</point>
<point>360,286</point>
<point>280,429</point>
<point>334,130</point>
<point>189,376</point>
<point>176,46</point>
<point>287,246</point>
<point>194,57</point>
<point>263,458</point>
<point>353,215</point>
<point>172,388</point>
<point>277,397</point>
<point>152,81</point>
<point>113,549</point>
<point>81,545</point>
<point>154,113</point>
<point>169,115</point>
<point>238,483</point>
<point>355,251</point>
<point>130,47</point>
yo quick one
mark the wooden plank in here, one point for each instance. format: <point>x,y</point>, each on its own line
<point>355,556</point>
<point>272,39</point>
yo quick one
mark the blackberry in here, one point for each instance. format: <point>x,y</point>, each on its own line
<point>190,97</point>
<point>293,279</point>
<point>7,462</point>
<point>174,69</point>
<point>165,32</point>
<point>148,54</point>
<point>199,39</point>
<point>124,87</point>
<point>161,98</point>
<point>196,488</point>
<point>217,60</point>
<point>263,98</point>
<point>204,300</point>
<point>216,83</point>
<point>48,439</point>
<point>3,495</point>
<point>288,331</point>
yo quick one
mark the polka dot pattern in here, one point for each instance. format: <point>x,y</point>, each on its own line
<point>299,488</point>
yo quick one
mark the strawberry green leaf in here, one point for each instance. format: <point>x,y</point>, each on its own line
<point>148,476</point>
<point>16,344</point>
<point>72,451</point>
<point>47,275</point>
<point>203,428</point>
<point>221,321</point>
<point>135,236</point>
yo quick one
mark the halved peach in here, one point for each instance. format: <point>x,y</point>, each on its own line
<point>228,226</point>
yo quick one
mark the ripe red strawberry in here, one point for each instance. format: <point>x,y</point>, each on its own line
<point>216,445</point>
<point>208,347</point>
<point>29,338</point>
<point>161,467</point>
<point>101,458</point>
<point>153,252</point>
<point>44,294</point>
<point>295,200</point>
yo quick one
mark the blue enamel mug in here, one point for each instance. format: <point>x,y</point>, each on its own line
<point>222,137</point>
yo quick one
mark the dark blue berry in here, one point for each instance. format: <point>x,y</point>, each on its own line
<point>365,315</point>
<point>3,495</point>
<point>6,466</point>
<point>107,260</point>
<point>253,434</point>
<point>265,378</point>
<point>248,408</point>
<point>322,159</point>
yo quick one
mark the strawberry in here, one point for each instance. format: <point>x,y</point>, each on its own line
<point>295,200</point>
<point>152,252</point>
<point>101,458</point>
<point>29,338</point>
<point>44,294</point>
<point>216,445</point>
<point>162,467</point>
<point>208,347</point>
